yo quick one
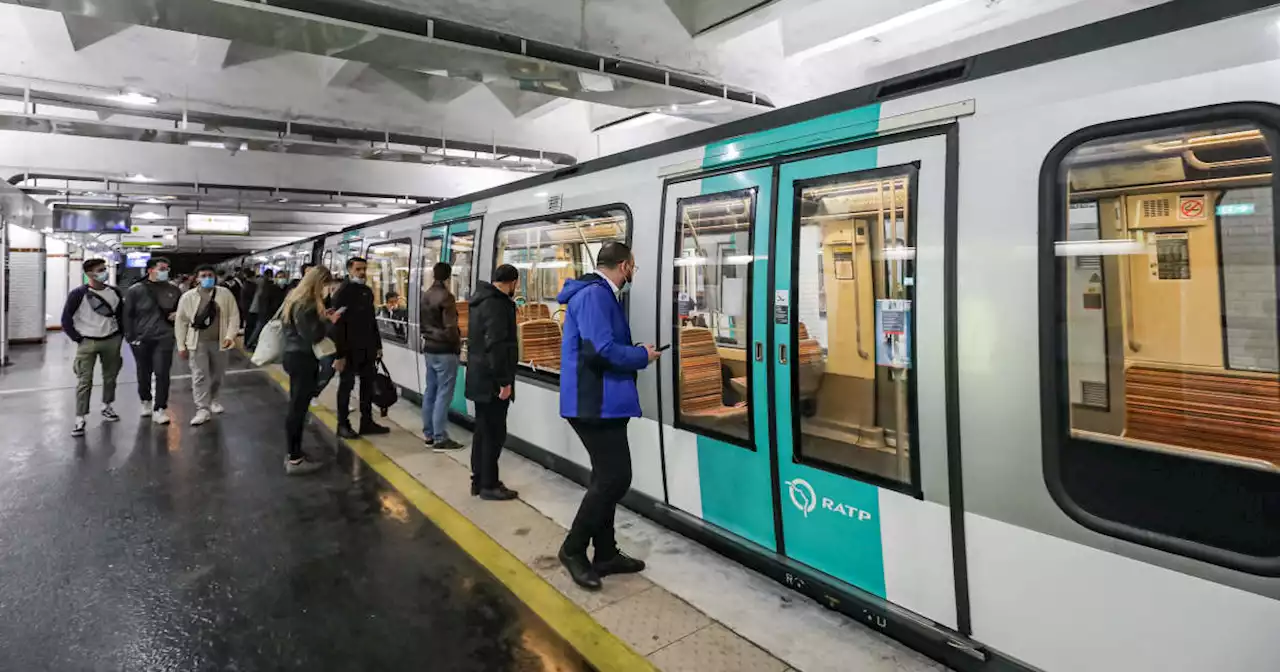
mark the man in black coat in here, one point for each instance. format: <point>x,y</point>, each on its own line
<point>492,352</point>
<point>147,322</point>
<point>359,349</point>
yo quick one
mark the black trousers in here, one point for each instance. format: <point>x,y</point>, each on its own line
<point>250,330</point>
<point>304,370</point>
<point>606,443</point>
<point>487,442</point>
<point>154,357</point>
<point>359,365</point>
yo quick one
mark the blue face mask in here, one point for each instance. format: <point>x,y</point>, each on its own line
<point>162,276</point>
<point>207,283</point>
<point>283,282</point>
<point>101,276</point>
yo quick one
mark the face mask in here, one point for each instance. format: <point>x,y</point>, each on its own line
<point>206,283</point>
<point>358,281</point>
<point>282,281</point>
<point>162,276</point>
<point>101,276</point>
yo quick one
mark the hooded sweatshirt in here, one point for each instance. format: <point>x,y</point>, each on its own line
<point>598,362</point>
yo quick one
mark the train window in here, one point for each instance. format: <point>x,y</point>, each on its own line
<point>389,280</point>
<point>712,298</point>
<point>854,286</point>
<point>346,250</point>
<point>1167,399</point>
<point>461,250</point>
<point>547,253</point>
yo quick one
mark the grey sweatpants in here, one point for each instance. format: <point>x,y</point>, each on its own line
<point>208,366</point>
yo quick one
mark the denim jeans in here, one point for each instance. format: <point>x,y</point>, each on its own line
<point>442,372</point>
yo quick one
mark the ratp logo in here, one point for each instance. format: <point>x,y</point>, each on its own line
<point>803,496</point>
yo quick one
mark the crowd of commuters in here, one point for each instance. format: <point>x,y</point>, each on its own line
<point>330,327</point>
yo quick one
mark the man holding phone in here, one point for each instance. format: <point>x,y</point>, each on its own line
<point>598,397</point>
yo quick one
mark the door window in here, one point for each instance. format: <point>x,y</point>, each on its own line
<point>712,299</point>
<point>854,287</point>
<point>389,280</point>
<point>461,251</point>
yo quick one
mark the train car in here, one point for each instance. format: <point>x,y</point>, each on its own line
<point>984,356</point>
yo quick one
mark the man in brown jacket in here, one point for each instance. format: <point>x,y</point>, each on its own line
<point>441,345</point>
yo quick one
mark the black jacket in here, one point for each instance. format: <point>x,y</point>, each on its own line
<point>270,297</point>
<point>306,329</point>
<point>492,350</point>
<point>147,306</point>
<point>357,332</point>
<point>247,291</point>
<point>438,318</point>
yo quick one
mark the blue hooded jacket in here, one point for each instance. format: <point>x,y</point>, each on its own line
<point>598,362</point>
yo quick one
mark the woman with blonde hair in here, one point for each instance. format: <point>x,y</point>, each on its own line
<point>307,324</point>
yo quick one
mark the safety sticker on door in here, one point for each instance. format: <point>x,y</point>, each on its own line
<point>893,334</point>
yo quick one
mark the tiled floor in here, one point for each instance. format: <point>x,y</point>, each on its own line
<point>691,610</point>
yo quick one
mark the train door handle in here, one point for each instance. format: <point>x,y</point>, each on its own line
<point>759,351</point>
<point>782,353</point>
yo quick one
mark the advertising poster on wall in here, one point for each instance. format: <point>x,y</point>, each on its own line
<point>893,334</point>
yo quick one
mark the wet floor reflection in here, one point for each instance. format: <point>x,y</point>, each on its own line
<point>177,548</point>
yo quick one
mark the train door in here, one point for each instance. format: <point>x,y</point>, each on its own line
<point>717,446</point>
<point>452,242</point>
<point>855,304</point>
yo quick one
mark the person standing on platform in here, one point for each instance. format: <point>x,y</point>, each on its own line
<point>359,349</point>
<point>441,346</point>
<point>598,397</point>
<point>206,326</point>
<point>91,318</point>
<point>492,354</point>
<point>306,323</point>
<point>265,304</point>
<point>150,308</point>
<point>248,289</point>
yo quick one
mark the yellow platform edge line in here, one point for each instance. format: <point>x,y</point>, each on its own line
<point>599,647</point>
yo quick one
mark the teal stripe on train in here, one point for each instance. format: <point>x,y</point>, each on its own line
<point>451,212</point>
<point>831,129</point>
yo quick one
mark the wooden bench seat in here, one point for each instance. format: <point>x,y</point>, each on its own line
<point>701,384</point>
<point>539,342</point>
<point>1218,412</point>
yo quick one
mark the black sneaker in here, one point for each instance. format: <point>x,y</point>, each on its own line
<point>371,427</point>
<point>499,494</point>
<point>446,446</point>
<point>428,441</point>
<point>345,432</point>
<point>110,414</point>
<point>619,563</point>
<point>580,570</point>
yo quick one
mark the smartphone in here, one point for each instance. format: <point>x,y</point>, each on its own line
<point>340,311</point>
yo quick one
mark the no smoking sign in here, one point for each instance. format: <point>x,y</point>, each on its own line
<point>1191,207</point>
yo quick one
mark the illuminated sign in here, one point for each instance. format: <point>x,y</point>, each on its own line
<point>1235,209</point>
<point>230,223</point>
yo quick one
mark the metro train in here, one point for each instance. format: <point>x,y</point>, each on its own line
<point>984,356</point>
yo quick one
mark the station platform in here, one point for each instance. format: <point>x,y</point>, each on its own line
<point>188,548</point>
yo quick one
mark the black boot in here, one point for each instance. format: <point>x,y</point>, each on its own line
<point>499,494</point>
<point>369,427</point>
<point>346,432</point>
<point>580,570</point>
<point>618,563</point>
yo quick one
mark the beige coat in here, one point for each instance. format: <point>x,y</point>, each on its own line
<point>228,318</point>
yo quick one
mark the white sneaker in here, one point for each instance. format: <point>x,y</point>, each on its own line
<point>216,408</point>
<point>146,408</point>
<point>202,416</point>
<point>160,416</point>
<point>78,429</point>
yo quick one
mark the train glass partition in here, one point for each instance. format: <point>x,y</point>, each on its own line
<point>548,253</point>
<point>388,277</point>
<point>1168,396</point>
<point>453,242</point>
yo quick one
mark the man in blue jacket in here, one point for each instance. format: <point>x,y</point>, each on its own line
<point>598,397</point>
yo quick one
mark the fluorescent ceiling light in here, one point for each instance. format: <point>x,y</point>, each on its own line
<point>139,177</point>
<point>151,216</point>
<point>541,194</point>
<point>704,103</point>
<point>134,98</point>
<point>153,201</point>
<point>208,144</point>
<point>892,23</point>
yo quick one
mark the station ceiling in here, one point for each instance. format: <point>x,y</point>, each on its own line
<point>499,88</point>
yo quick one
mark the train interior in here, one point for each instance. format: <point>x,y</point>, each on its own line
<point>854,284</point>
<point>547,254</point>
<point>1170,275</point>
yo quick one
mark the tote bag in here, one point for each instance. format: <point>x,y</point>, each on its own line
<point>270,342</point>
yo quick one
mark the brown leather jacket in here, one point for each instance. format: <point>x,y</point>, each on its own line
<point>438,319</point>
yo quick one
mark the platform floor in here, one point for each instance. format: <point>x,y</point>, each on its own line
<point>176,548</point>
